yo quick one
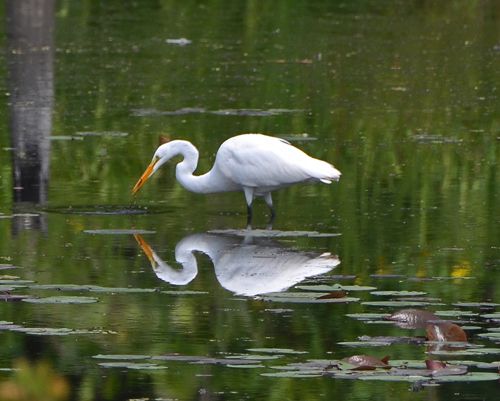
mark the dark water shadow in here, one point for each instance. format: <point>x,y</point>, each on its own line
<point>107,210</point>
<point>243,265</point>
<point>30,64</point>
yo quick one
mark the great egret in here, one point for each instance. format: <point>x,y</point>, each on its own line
<point>243,266</point>
<point>253,163</point>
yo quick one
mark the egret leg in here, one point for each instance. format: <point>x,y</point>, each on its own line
<point>269,201</point>
<point>249,195</point>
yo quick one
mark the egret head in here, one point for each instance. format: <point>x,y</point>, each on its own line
<point>162,155</point>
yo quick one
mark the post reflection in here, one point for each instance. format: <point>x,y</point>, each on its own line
<point>248,266</point>
<point>30,60</point>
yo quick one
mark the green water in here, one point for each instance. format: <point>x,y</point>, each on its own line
<point>401,96</point>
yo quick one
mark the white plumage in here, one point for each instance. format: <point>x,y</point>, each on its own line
<point>252,163</point>
<point>244,267</point>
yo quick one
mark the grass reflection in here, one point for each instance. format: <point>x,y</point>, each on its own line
<point>34,381</point>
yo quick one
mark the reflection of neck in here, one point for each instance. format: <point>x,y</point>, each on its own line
<point>184,255</point>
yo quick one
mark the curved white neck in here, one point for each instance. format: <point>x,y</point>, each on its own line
<point>210,182</point>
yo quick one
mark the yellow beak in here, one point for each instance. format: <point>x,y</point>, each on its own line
<point>145,247</point>
<point>144,176</point>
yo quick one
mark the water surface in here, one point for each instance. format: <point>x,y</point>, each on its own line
<point>402,97</point>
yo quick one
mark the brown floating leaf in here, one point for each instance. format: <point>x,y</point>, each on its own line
<point>366,362</point>
<point>413,318</point>
<point>445,332</point>
<point>432,364</point>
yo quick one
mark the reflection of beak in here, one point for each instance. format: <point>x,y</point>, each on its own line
<point>145,248</point>
<point>144,176</point>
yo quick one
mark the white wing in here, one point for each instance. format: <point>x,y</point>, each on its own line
<point>261,161</point>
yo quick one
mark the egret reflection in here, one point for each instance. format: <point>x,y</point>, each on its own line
<point>247,266</point>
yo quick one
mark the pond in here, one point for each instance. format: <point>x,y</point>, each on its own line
<point>167,295</point>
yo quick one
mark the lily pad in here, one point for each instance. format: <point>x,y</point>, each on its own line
<point>294,374</point>
<point>272,233</point>
<point>368,316</point>
<point>49,331</point>
<point>335,287</point>
<point>455,313</point>
<point>392,378</point>
<point>494,336</point>
<point>248,366</point>
<point>8,267</point>
<point>253,357</point>
<point>495,315</point>
<point>398,304</point>
<point>205,360</point>
<point>398,293</point>
<point>16,282</point>
<point>364,343</point>
<point>276,350</point>
<point>65,138</point>
<point>121,357</point>
<point>61,300</point>
<point>304,297</point>
<point>468,377</point>
<point>184,292</point>
<point>13,298</point>
<point>132,365</point>
<point>476,304</point>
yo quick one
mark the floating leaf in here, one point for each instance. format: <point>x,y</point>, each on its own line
<point>13,298</point>
<point>364,343</point>
<point>248,366</point>
<point>495,315</point>
<point>276,350</point>
<point>184,292</point>
<point>295,374</point>
<point>397,304</point>
<point>393,378</point>
<point>476,304</point>
<point>132,365</point>
<point>495,336</point>
<point>121,357</point>
<point>304,297</point>
<point>48,331</point>
<point>65,138</point>
<point>61,300</point>
<point>455,313</point>
<point>8,267</point>
<point>398,293</point>
<point>368,316</point>
<point>407,363</point>
<point>204,360</point>
<point>335,287</point>
<point>16,283</point>
<point>469,377</point>
<point>254,357</point>
<point>272,233</point>
<point>445,331</point>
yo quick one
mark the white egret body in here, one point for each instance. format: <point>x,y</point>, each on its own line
<point>252,163</point>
